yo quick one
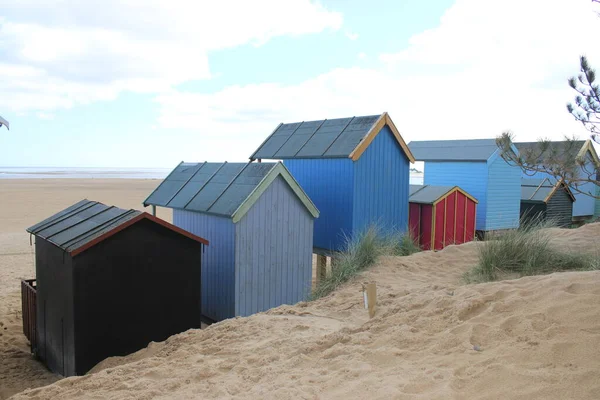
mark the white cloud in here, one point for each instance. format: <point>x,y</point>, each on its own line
<point>472,77</point>
<point>362,55</point>
<point>79,52</point>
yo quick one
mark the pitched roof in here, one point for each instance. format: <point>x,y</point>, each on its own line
<point>541,190</point>
<point>330,138</point>
<point>86,223</point>
<point>562,148</point>
<point>225,189</point>
<point>453,150</point>
<point>429,194</point>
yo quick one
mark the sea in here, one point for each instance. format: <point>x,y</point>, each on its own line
<point>107,172</point>
<point>82,173</point>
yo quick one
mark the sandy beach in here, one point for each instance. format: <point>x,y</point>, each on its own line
<point>432,336</point>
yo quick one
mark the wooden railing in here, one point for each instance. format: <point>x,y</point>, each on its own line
<point>28,303</point>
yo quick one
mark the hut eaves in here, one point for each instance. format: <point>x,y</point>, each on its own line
<point>87,223</point>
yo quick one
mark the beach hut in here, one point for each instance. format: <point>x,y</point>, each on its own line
<point>110,281</point>
<point>477,167</point>
<point>584,153</point>
<point>261,222</point>
<point>441,215</point>
<point>544,200</point>
<point>356,170</point>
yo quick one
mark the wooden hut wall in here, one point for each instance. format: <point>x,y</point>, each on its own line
<point>55,319</point>
<point>138,286</point>
<point>329,182</point>
<point>381,182</point>
<point>273,252</point>
<point>503,194</point>
<point>560,207</point>
<point>218,261</point>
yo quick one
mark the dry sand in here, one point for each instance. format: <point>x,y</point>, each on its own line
<point>431,338</point>
<point>22,204</point>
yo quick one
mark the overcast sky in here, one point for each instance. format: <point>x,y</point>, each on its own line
<point>149,83</point>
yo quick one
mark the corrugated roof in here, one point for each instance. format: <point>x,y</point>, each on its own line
<point>329,138</point>
<point>540,190</point>
<point>77,226</point>
<point>218,188</point>
<point>427,194</point>
<point>453,150</point>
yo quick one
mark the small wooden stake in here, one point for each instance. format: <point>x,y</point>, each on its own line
<point>370,297</point>
<point>321,267</point>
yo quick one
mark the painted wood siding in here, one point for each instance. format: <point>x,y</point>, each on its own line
<point>273,252</point>
<point>597,212</point>
<point>381,180</point>
<point>584,205</point>
<point>218,262</point>
<point>560,208</point>
<point>330,185</point>
<point>503,195</point>
<point>469,176</point>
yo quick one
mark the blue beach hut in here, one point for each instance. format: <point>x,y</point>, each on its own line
<point>260,224</point>
<point>477,167</point>
<point>356,170</point>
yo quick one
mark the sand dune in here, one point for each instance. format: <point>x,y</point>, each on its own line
<point>432,338</point>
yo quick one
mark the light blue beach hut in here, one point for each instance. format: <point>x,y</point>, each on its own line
<point>477,167</point>
<point>259,222</point>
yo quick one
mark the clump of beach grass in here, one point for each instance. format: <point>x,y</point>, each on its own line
<point>526,251</point>
<point>360,252</point>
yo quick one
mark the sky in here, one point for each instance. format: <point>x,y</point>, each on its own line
<point>150,83</point>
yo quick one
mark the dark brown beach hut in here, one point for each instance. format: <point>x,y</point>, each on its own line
<point>110,281</point>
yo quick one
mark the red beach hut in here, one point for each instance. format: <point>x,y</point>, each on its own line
<point>441,215</point>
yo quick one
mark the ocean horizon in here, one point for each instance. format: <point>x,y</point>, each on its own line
<point>82,173</point>
<point>107,173</point>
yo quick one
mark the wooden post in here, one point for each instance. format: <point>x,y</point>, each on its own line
<point>370,297</point>
<point>321,267</point>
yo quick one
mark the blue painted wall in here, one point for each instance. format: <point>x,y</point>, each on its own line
<point>585,205</point>
<point>597,209</point>
<point>330,185</point>
<point>218,260</point>
<point>503,195</point>
<point>381,181</point>
<point>470,176</point>
<point>273,252</point>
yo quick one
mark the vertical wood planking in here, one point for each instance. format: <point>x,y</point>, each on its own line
<point>275,251</point>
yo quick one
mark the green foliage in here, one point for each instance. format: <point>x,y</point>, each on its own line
<point>361,252</point>
<point>526,251</point>
<point>586,108</point>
